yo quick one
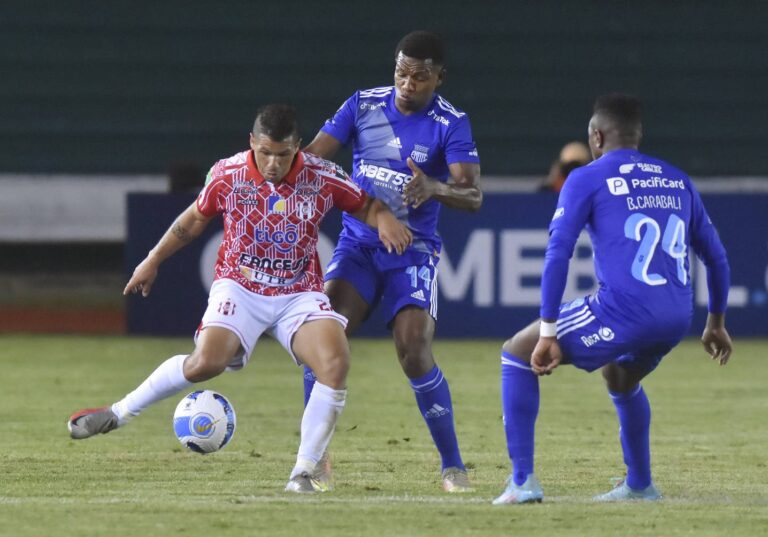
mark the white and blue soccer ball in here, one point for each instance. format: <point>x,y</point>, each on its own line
<point>204,421</point>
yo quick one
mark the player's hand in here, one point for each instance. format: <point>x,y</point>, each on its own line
<point>394,234</point>
<point>143,277</point>
<point>420,189</point>
<point>546,356</point>
<point>717,343</point>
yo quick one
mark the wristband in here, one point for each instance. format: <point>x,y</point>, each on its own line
<point>547,329</point>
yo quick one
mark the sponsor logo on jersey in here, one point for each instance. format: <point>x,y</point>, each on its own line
<point>245,189</point>
<point>654,202</point>
<point>307,191</point>
<point>256,276</point>
<point>276,204</point>
<point>272,263</point>
<point>617,186</point>
<point>558,213</point>
<point>658,182</point>
<point>395,142</point>
<point>372,106</point>
<point>440,119</point>
<point>335,170</point>
<point>383,175</point>
<point>283,240</point>
<point>603,334</point>
<point>650,168</point>
<point>606,333</point>
<point>420,153</point>
<point>626,168</point>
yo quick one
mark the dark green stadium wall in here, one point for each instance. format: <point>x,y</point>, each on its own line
<point>132,87</point>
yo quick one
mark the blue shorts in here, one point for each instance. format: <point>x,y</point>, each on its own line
<point>590,343</point>
<point>395,281</point>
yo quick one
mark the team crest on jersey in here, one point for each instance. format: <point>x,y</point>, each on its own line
<point>276,204</point>
<point>420,153</point>
<point>227,307</point>
<point>305,209</point>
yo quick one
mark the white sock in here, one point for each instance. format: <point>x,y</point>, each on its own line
<point>164,381</point>
<point>320,416</point>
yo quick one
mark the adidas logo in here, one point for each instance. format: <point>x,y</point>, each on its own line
<point>395,142</point>
<point>436,411</point>
<point>418,295</point>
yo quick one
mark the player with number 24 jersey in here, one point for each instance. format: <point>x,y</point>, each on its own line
<point>642,215</point>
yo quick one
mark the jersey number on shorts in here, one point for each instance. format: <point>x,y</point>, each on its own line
<point>672,243</point>
<point>417,273</point>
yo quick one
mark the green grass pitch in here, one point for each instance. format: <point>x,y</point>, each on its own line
<point>709,439</point>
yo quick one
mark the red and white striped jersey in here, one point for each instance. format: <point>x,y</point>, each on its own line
<point>270,230</point>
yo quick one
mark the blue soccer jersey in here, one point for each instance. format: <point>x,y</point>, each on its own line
<point>383,138</point>
<point>643,215</point>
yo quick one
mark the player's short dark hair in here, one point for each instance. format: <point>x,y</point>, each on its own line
<point>422,45</point>
<point>278,121</point>
<point>626,111</point>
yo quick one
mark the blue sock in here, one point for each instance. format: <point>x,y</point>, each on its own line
<point>634,425</point>
<point>520,406</point>
<point>309,383</point>
<point>434,399</point>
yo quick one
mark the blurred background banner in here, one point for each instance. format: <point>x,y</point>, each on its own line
<point>489,274</point>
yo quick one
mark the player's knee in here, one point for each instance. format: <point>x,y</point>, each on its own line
<point>518,346</point>
<point>413,348</point>
<point>617,380</point>
<point>333,369</point>
<point>204,364</point>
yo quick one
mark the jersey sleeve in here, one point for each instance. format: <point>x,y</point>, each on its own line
<point>573,209</point>
<point>347,196</point>
<point>342,125</point>
<point>209,201</point>
<point>459,145</point>
<point>707,245</point>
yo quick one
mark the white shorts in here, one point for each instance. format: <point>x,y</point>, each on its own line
<point>249,315</point>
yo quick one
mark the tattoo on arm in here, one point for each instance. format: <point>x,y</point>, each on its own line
<point>180,232</point>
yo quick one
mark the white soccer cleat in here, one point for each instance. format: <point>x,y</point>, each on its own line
<point>528,492</point>
<point>456,480</point>
<point>622,493</point>
<point>322,475</point>
<point>301,484</point>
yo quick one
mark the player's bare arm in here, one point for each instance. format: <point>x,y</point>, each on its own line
<point>187,226</point>
<point>393,233</point>
<point>462,191</point>
<point>324,146</point>
<point>716,340</point>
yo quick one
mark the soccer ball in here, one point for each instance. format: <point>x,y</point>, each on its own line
<point>204,421</point>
